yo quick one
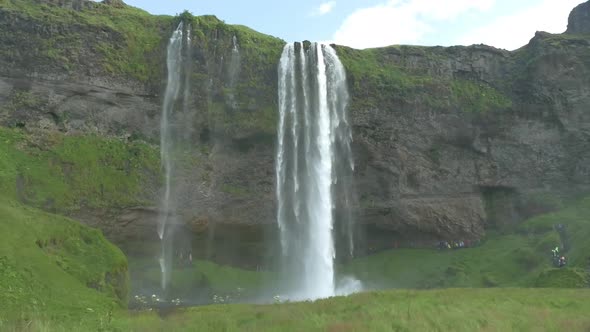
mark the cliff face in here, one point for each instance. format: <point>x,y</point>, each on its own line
<point>579,20</point>
<point>447,141</point>
<point>473,136</point>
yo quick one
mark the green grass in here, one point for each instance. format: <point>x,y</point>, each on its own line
<point>63,173</point>
<point>54,268</point>
<point>477,97</point>
<point>507,261</point>
<point>402,310</point>
<point>444,310</point>
<point>521,259</point>
<point>576,219</point>
<point>203,277</point>
<point>235,190</point>
<point>563,278</point>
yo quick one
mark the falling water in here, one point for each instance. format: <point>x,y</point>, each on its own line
<point>313,160</point>
<point>173,87</point>
<point>234,62</point>
<point>188,116</point>
<point>233,72</point>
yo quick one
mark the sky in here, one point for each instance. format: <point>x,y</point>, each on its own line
<point>507,24</point>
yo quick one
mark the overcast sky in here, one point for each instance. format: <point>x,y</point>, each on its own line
<point>505,24</point>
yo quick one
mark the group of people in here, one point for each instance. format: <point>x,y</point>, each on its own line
<point>442,245</point>
<point>558,260</point>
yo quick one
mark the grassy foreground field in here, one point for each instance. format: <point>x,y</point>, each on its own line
<point>402,310</point>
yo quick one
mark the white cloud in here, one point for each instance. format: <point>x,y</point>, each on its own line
<point>401,22</point>
<point>324,8</point>
<point>513,31</point>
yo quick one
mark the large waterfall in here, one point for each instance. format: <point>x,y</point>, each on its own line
<point>178,49</point>
<point>313,168</point>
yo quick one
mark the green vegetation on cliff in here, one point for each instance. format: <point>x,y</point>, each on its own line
<point>248,106</point>
<point>407,75</point>
<point>61,172</point>
<point>128,40</point>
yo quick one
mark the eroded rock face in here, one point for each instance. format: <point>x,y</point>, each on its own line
<point>579,19</point>
<point>437,170</point>
<point>431,164</point>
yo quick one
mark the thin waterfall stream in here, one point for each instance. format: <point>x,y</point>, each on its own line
<point>178,52</point>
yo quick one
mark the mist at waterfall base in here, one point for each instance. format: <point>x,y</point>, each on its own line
<point>314,168</point>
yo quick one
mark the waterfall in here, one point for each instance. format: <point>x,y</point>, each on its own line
<point>313,167</point>
<point>233,72</point>
<point>167,217</point>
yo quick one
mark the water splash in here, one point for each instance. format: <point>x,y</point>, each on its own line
<point>313,161</point>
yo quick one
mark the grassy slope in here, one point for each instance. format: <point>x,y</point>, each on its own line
<point>55,268</point>
<point>501,261</point>
<point>576,218</point>
<point>62,172</point>
<point>521,259</point>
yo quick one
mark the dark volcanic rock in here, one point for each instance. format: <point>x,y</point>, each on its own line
<point>579,19</point>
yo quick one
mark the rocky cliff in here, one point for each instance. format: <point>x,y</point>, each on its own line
<point>579,20</point>
<point>447,141</point>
